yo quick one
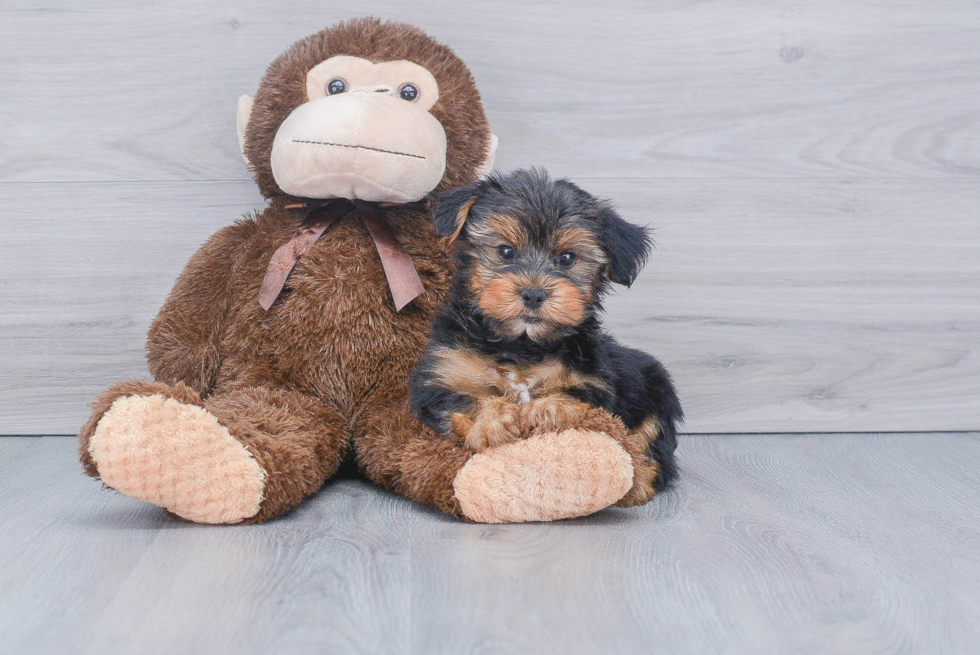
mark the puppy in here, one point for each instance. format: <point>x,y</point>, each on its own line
<point>519,346</point>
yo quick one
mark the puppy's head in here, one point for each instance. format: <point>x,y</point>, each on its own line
<point>537,254</point>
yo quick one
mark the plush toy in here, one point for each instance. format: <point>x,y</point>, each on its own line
<point>287,342</point>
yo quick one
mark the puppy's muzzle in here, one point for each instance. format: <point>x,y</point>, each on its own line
<point>533,297</point>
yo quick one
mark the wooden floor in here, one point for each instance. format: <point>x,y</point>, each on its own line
<point>770,544</point>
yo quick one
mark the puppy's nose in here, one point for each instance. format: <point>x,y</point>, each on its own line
<point>533,297</point>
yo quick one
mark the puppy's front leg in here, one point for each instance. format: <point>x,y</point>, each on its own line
<point>497,422</point>
<point>552,413</point>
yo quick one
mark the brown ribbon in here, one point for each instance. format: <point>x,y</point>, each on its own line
<point>403,279</point>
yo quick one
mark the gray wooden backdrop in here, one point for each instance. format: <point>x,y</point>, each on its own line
<point>813,169</point>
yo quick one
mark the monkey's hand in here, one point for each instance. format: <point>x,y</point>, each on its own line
<point>497,422</point>
<point>552,414</point>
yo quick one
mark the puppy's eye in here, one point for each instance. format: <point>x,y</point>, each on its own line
<point>507,252</point>
<point>566,259</point>
<point>408,92</point>
<point>336,86</point>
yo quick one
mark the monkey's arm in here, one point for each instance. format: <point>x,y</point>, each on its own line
<point>183,340</point>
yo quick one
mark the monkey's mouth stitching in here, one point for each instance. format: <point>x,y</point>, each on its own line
<point>344,145</point>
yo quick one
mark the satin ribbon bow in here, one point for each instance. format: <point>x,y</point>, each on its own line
<point>403,279</point>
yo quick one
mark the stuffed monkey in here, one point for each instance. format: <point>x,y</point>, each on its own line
<point>287,342</point>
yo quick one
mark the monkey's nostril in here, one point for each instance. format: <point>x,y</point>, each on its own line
<point>533,297</point>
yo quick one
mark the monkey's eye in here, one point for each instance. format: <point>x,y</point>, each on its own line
<point>566,259</point>
<point>507,252</point>
<point>408,92</point>
<point>336,86</point>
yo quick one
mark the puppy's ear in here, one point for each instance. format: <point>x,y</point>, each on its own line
<point>452,208</point>
<point>627,246</point>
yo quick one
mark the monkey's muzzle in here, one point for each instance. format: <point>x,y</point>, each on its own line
<point>359,146</point>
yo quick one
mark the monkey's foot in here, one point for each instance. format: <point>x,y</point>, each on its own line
<point>550,476</point>
<point>178,457</point>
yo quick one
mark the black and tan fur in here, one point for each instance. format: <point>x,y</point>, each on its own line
<point>502,362</point>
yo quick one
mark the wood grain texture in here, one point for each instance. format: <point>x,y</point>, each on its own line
<point>769,544</point>
<point>779,305</point>
<point>116,90</point>
<point>812,168</point>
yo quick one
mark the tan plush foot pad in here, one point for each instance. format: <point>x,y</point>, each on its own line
<point>544,478</point>
<point>179,457</point>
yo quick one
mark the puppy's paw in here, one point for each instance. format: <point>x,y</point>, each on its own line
<point>460,425</point>
<point>552,414</point>
<point>497,423</point>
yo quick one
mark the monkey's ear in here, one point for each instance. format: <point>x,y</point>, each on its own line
<point>627,246</point>
<point>241,122</point>
<point>487,166</point>
<point>451,211</point>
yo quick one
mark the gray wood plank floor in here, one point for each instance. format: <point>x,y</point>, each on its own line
<point>769,544</point>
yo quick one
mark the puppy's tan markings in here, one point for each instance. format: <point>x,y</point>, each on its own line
<point>565,305</point>
<point>513,401</point>
<point>649,429</point>
<point>467,372</point>
<point>509,229</point>
<point>645,470</point>
<point>498,229</point>
<point>461,424</point>
<point>496,423</point>
<point>461,217</point>
<point>551,414</point>
<point>553,377</point>
<point>480,277</point>
<point>579,240</point>
<point>501,297</point>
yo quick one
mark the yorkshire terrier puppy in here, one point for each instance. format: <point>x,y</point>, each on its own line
<point>519,346</point>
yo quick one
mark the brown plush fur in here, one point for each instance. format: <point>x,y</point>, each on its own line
<point>325,370</point>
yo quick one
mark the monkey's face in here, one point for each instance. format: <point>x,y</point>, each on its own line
<point>364,133</point>
<point>365,110</point>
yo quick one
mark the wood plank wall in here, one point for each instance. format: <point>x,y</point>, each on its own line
<point>812,168</point>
